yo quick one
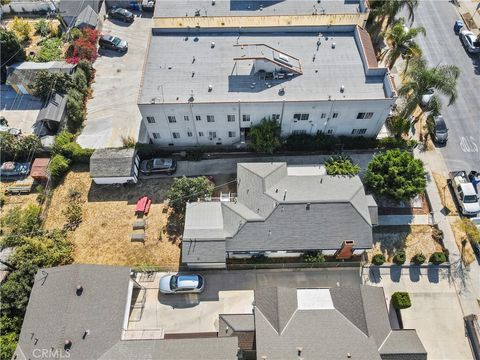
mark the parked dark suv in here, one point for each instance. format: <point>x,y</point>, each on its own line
<point>112,43</point>
<point>121,14</point>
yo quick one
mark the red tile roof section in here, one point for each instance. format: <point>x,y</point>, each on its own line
<point>367,46</point>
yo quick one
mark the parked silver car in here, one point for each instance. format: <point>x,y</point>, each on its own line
<point>470,42</point>
<point>158,166</point>
<point>440,131</point>
<point>181,284</point>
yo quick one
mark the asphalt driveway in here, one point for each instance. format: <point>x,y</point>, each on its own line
<point>112,112</point>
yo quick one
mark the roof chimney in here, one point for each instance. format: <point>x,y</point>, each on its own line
<point>349,355</point>
<point>79,290</point>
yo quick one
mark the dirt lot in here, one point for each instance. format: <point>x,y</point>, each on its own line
<point>412,239</point>
<point>468,255</point>
<point>12,200</point>
<point>103,237</point>
<point>445,194</point>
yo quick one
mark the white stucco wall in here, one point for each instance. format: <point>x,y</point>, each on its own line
<point>113,180</point>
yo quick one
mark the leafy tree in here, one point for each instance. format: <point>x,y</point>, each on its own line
<point>58,167</point>
<point>87,68</point>
<point>50,51</point>
<point>185,190</point>
<point>265,137</point>
<point>401,300</point>
<point>22,28</point>
<point>398,126</point>
<point>18,148</point>
<point>402,43</point>
<point>11,51</point>
<point>395,175</point>
<point>8,343</point>
<point>420,79</point>
<point>75,110</point>
<point>341,165</point>
<point>79,81</point>
<point>84,47</point>
<point>42,27</point>
<point>46,83</point>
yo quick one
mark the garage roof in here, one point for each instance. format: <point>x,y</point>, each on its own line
<point>112,163</point>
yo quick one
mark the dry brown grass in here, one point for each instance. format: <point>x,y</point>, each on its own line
<point>103,237</point>
<point>468,256</point>
<point>445,195</point>
<point>12,200</point>
<point>412,239</point>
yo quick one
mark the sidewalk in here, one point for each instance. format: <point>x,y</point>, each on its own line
<point>465,278</point>
<point>473,8</point>
<point>395,220</point>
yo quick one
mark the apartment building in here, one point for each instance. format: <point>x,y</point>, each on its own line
<point>219,82</point>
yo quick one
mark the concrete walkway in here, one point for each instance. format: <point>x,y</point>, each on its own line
<point>466,278</point>
<point>398,220</point>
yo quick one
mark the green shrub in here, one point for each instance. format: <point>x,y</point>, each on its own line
<point>75,110</point>
<point>194,155</point>
<point>401,300</point>
<point>49,51</point>
<point>315,257</point>
<point>438,258</point>
<point>79,82</point>
<point>42,28</point>
<point>74,34</point>
<point>22,221</point>
<point>437,235</point>
<point>45,83</point>
<point>400,258</point>
<point>73,213</point>
<point>87,68</point>
<point>471,230</point>
<point>65,145</point>
<point>341,165</point>
<point>418,259</point>
<point>22,28</point>
<point>378,259</point>
<point>128,142</point>
<point>19,148</point>
<point>58,167</point>
<point>394,143</point>
<point>265,137</point>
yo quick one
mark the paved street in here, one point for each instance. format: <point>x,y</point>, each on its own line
<point>442,47</point>
<point>113,112</point>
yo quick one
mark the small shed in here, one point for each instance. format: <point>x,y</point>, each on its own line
<point>88,18</point>
<point>53,112</point>
<point>114,166</point>
<point>40,169</point>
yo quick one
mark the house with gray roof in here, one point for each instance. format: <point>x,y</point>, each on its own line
<point>114,166</point>
<point>81,312</point>
<point>53,112</point>
<point>280,211</point>
<point>81,13</point>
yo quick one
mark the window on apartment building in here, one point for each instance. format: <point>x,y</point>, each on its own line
<point>176,135</point>
<point>275,116</point>
<point>305,116</point>
<point>198,117</point>
<point>301,116</point>
<point>150,120</point>
<point>231,134</point>
<point>230,118</point>
<point>330,132</point>
<point>335,115</point>
<point>359,131</point>
<point>364,115</point>
<point>299,132</point>
<point>189,134</point>
<point>186,118</point>
<point>172,119</point>
<point>200,133</point>
<point>210,118</point>
<point>212,134</point>
<point>245,117</point>
<point>156,135</point>
<point>323,116</point>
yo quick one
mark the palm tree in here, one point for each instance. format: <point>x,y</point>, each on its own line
<point>402,43</point>
<point>420,79</point>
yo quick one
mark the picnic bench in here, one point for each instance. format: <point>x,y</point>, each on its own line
<point>143,205</point>
<point>139,224</point>
<point>20,187</point>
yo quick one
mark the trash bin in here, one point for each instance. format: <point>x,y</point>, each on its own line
<point>458,25</point>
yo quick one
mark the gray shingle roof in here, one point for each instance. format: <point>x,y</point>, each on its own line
<point>112,163</point>
<point>53,109</point>
<point>329,333</point>
<point>88,16</point>
<point>203,251</point>
<point>203,220</point>
<point>70,9</point>
<point>239,322</point>
<point>25,72</point>
<point>55,312</point>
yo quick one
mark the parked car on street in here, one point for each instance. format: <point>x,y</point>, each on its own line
<point>470,42</point>
<point>464,192</point>
<point>426,98</point>
<point>158,166</point>
<point>458,26</point>
<point>440,130</point>
<point>112,43</point>
<point>121,14</point>
<point>181,284</point>
<point>13,169</point>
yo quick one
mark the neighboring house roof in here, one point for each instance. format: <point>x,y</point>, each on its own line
<point>88,17</point>
<point>56,312</point>
<point>69,10</point>
<point>328,324</point>
<point>112,163</point>
<point>278,208</point>
<point>368,48</point>
<point>39,169</point>
<point>24,72</point>
<point>53,109</point>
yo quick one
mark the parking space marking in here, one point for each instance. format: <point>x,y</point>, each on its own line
<point>468,144</point>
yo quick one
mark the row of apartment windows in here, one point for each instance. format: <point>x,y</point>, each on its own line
<point>211,134</point>
<point>245,117</point>
<point>330,132</point>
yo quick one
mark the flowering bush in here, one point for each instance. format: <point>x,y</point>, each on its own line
<point>84,47</point>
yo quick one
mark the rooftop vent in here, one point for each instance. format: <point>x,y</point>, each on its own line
<point>210,88</point>
<point>342,89</point>
<point>333,45</point>
<point>299,351</point>
<point>79,290</point>
<point>308,206</point>
<point>213,2</point>
<point>212,44</point>
<point>349,355</point>
<point>68,344</point>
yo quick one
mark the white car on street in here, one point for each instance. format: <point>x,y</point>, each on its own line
<point>181,284</point>
<point>470,41</point>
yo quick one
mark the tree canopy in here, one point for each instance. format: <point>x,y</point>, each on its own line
<point>395,175</point>
<point>185,190</point>
<point>265,137</point>
<point>11,50</point>
<point>341,165</point>
<point>46,83</point>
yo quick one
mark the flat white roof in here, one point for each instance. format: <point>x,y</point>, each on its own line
<point>306,170</point>
<point>314,299</point>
